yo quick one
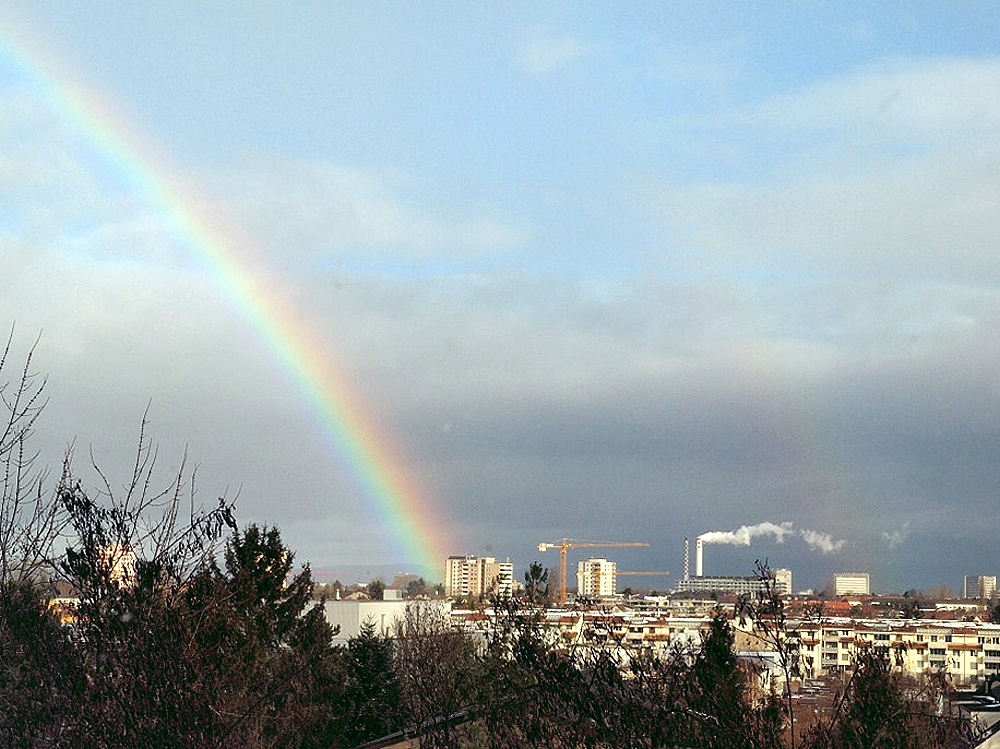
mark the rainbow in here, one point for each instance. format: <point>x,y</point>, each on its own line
<point>346,425</point>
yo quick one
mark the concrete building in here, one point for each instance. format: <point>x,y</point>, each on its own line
<point>478,576</point>
<point>596,578</point>
<point>383,615</point>
<point>720,584</point>
<point>496,578</point>
<point>402,580</point>
<point>120,561</point>
<point>350,615</point>
<point>459,572</point>
<point>851,584</point>
<point>979,586</point>
<point>966,651</point>
<point>782,580</point>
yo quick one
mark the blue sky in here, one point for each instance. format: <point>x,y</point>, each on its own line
<point>613,273</point>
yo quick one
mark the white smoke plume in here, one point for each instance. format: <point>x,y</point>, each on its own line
<point>822,542</point>
<point>747,533</point>
<point>897,537</point>
<point>817,540</point>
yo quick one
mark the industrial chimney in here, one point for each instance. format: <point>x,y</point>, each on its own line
<point>699,556</point>
<point>687,558</point>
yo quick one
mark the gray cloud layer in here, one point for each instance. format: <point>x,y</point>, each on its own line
<point>643,358</point>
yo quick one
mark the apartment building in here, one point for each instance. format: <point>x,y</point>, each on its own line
<point>478,576</point>
<point>979,586</point>
<point>596,578</point>
<point>966,651</point>
<point>851,584</point>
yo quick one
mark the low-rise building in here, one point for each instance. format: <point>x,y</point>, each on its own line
<point>349,616</point>
<point>966,652</point>
<point>780,583</point>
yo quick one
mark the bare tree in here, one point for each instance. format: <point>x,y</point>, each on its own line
<point>31,519</point>
<point>438,671</point>
<point>141,532</point>
<point>766,610</point>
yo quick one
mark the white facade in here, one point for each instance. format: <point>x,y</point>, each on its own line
<point>965,651</point>
<point>979,586</point>
<point>781,582</point>
<point>851,584</point>
<point>478,576</point>
<point>596,578</point>
<point>350,615</point>
<point>383,615</point>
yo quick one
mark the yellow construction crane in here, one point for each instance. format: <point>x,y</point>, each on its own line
<point>565,544</point>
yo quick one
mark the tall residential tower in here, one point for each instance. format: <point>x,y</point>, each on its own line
<point>478,576</point>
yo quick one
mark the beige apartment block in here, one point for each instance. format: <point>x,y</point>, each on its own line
<point>596,578</point>
<point>478,577</point>
<point>966,652</point>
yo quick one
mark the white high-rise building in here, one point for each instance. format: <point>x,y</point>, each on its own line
<point>782,581</point>
<point>596,578</point>
<point>979,586</point>
<point>851,583</point>
<point>478,576</point>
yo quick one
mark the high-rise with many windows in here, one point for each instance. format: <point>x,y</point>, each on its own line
<point>596,578</point>
<point>979,586</point>
<point>851,583</point>
<point>478,576</point>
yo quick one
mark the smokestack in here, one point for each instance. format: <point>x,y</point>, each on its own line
<point>699,556</point>
<point>687,558</point>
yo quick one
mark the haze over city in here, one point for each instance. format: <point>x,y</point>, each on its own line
<point>623,274</point>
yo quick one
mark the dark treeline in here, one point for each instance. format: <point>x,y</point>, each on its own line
<point>192,632</point>
<point>230,655</point>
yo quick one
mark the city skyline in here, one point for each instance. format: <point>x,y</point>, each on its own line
<point>409,281</point>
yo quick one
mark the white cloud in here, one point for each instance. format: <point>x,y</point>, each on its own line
<point>324,210</point>
<point>928,101</point>
<point>889,172</point>
<point>545,53</point>
<point>822,542</point>
<point>898,537</point>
